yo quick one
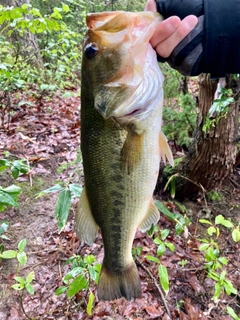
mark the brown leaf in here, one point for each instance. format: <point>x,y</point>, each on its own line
<point>153,312</point>
<point>195,284</point>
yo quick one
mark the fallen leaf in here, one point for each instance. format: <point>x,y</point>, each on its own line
<point>153,312</point>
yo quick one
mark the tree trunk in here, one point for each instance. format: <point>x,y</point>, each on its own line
<point>212,154</point>
<point>26,44</point>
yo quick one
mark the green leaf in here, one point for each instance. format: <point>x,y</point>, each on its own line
<point>75,189</point>
<point>151,258</point>
<point>3,228</point>
<point>18,286</point>
<point>92,273</point>
<point>164,233</point>
<point>170,246</point>
<point>236,235</point>
<point>62,208</point>
<point>157,241</point>
<point>13,189</point>
<point>22,245</point>
<point>90,303</point>
<point>161,249</point>
<point>55,188</point>
<point>8,199</point>
<point>30,288</point>
<point>22,258</point>
<point>219,219</point>
<point>210,255</point>
<point>211,230</point>
<point>163,276</point>
<point>161,207</point>
<point>78,284</point>
<point>9,254</point>
<point>60,290</point>
<point>15,172</point>
<point>205,221</point>
<point>30,277</point>
<point>232,313</point>
<point>20,280</point>
<point>203,246</point>
<point>65,8</point>
<point>229,288</point>
<point>222,275</point>
<point>72,274</point>
<point>89,259</point>
<point>228,224</point>
<point>217,292</point>
<point>223,260</point>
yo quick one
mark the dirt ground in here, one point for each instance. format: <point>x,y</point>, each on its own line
<point>48,140</point>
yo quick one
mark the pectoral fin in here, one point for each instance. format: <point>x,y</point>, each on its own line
<point>152,217</point>
<point>85,226</point>
<point>132,150</point>
<point>165,151</point>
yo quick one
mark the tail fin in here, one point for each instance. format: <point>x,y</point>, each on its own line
<point>114,285</point>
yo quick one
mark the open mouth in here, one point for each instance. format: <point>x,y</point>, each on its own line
<point>134,112</point>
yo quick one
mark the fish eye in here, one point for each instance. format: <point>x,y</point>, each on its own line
<point>91,50</point>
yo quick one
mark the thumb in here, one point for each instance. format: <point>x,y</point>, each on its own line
<point>151,5</point>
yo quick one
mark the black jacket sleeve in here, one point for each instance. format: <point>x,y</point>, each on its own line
<point>216,49</point>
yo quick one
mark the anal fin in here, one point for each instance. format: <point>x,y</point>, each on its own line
<point>132,150</point>
<point>85,225</point>
<point>151,217</point>
<point>165,151</point>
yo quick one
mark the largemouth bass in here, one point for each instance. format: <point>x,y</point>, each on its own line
<point>121,141</point>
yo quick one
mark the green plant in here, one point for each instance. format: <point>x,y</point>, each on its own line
<point>180,119</point>
<point>162,244</point>
<point>162,273</point>
<point>24,283</point>
<point>219,109</point>
<point>20,254</point>
<point>182,221</point>
<point>83,272</point>
<point>67,192</point>
<point>9,195</point>
<point>232,313</point>
<point>214,262</point>
<point>220,220</point>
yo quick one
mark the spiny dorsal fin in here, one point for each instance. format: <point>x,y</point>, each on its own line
<point>165,151</point>
<point>132,150</point>
<point>152,217</point>
<point>85,226</point>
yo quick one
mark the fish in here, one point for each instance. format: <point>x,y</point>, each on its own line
<point>121,142</point>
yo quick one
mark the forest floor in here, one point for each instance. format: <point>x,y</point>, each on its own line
<point>46,133</point>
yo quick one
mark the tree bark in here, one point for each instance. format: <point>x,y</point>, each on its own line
<point>212,154</point>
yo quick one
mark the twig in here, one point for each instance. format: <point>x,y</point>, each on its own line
<point>30,176</point>
<point>157,286</point>
<point>235,184</point>
<point>22,306</point>
<point>60,271</point>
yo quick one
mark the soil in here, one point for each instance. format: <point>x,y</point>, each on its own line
<point>49,140</point>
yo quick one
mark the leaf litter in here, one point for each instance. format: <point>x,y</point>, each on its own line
<point>47,134</point>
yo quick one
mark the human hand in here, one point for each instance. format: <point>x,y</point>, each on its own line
<point>170,32</point>
<point>173,32</point>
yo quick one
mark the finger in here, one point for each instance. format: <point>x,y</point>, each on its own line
<point>151,6</point>
<point>165,47</point>
<point>164,30</point>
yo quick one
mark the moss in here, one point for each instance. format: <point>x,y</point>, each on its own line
<point>214,196</point>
